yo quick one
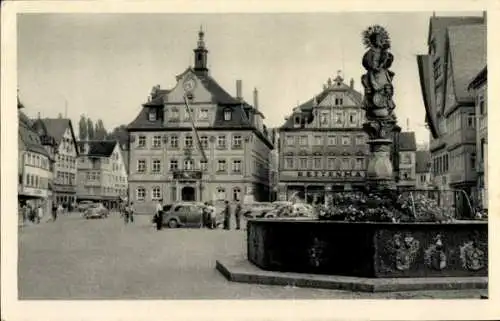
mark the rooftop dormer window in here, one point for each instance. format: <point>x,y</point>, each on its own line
<point>152,114</point>
<point>432,47</point>
<point>227,114</point>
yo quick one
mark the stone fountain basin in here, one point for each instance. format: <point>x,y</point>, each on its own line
<point>369,249</point>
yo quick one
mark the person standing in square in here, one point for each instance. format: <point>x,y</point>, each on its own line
<point>227,216</point>
<point>159,215</point>
<point>237,215</point>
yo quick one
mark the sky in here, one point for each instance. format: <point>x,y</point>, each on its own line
<point>104,65</point>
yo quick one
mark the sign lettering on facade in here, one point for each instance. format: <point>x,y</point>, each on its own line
<point>332,174</point>
<point>187,175</point>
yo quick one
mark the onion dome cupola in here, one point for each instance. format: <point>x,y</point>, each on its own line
<point>200,54</point>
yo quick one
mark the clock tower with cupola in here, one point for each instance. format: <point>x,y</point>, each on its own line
<point>225,159</point>
<point>200,54</point>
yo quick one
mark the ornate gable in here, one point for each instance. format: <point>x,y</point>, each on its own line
<point>189,79</point>
<point>337,98</point>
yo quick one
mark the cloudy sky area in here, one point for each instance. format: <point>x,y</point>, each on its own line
<point>104,65</point>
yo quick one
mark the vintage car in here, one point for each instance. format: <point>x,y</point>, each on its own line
<point>96,210</point>
<point>291,210</point>
<point>256,209</point>
<point>184,214</point>
<point>84,205</point>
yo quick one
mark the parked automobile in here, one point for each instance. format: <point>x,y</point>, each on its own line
<point>256,209</point>
<point>96,210</point>
<point>303,209</point>
<point>183,215</point>
<point>291,211</point>
<point>84,205</point>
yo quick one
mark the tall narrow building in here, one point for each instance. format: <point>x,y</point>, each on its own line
<point>164,159</point>
<point>456,53</point>
<point>60,131</point>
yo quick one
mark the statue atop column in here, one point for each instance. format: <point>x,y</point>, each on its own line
<point>378,105</point>
<point>377,83</point>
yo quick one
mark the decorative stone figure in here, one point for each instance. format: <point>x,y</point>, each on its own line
<point>378,106</point>
<point>403,251</point>
<point>378,79</point>
<point>472,257</point>
<point>435,256</point>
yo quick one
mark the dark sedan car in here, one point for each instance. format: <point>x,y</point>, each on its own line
<point>183,215</point>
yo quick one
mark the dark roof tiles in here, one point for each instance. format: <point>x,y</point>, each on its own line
<point>407,142</point>
<point>468,56</point>
<point>102,148</point>
<point>222,98</point>
<point>479,79</point>
<point>56,127</point>
<point>29,137</point>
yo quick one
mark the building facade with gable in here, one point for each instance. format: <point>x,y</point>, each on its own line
<point>164,159</point>
<point>479,86</point>
<point>323,145</point>
<point>60,131</point>
<point>407,164</point>
<point>423,166</point>
<point>456,53</point>
<point>102,176</point>
<point>35,166</point>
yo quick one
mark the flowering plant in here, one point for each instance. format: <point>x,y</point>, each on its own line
<point>386,206</point>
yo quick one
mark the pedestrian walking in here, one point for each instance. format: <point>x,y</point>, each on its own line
<point>39,213</point>
<point>60,210</point>
<point>237,215</point>
<point>131,212</point>
<point>227,216</point>
<point>158,218</point>
<point>54,212</point>
<point>126,213</point>
<point>25,212</point>
<point>212,213</point>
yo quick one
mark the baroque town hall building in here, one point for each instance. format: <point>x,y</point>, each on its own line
<point>165,161</point>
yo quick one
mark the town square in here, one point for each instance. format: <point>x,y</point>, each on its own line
<point>191,165</point>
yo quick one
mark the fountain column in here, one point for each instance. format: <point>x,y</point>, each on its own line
<point>379,107</point>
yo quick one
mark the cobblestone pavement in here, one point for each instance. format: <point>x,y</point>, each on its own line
<point>74,258</point>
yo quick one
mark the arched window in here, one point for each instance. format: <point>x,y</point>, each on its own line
<point>188,164</point>
<point>236,194</point>
<point>155,193</point>
<point>140,193</point>
<point>221,194</point>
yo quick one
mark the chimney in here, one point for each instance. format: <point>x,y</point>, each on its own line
<point>39,115</point>
<point>255,98</point>
<point>352,83</point>
<point>238,90</point>
<point>484,16</point>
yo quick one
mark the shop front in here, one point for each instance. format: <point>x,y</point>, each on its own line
<point>313,187</point>
<point>35,197</point>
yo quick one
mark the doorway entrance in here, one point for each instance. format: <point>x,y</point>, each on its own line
<point>188,194</point>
